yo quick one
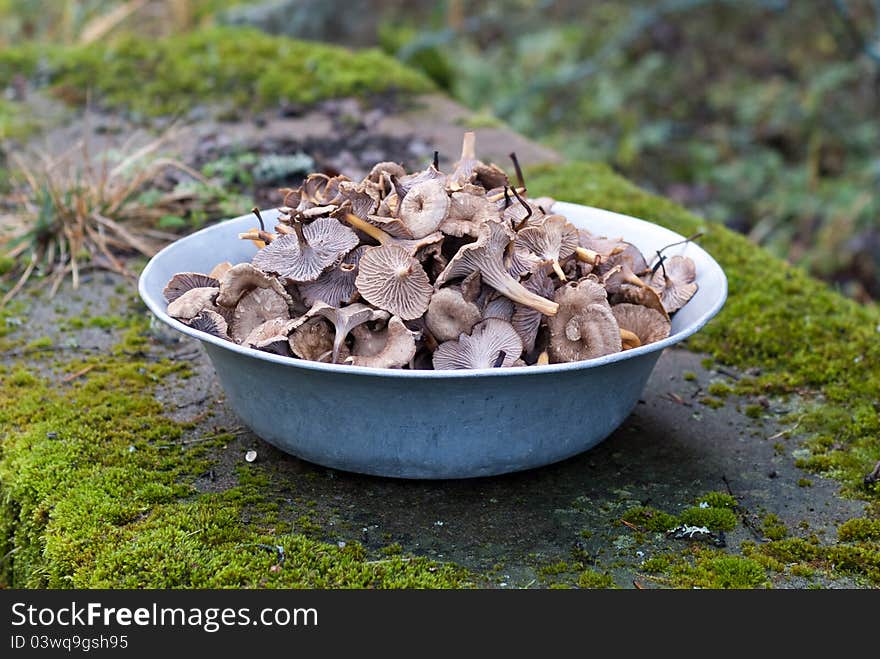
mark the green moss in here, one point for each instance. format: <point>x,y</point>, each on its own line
<point>773,528</point>
<point>243,68</point>
<point>859,528</point>
<point>656,564</point>
<point>95,492</point>
<point>690,376</point>
<point>804,482</point>
<point>717,500</point>
<point>595,580</point>
<point>650,519</point>
<point>801,334</point>
<point>715,519</point>
<point>753,411</point>
<point>716,570</point>
<point>714,403</point>
<point>719,389</point>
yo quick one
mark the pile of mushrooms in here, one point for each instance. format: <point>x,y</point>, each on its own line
<point>424,270</point>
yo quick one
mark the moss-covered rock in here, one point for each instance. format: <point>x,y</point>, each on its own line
<point>234,67</point>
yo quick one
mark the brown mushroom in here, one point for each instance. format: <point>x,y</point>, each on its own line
<point>498,306</point>
<point>491,343</point>
<point>243,278</point>
<point>272,336</point>
<point>391,279</point>
<point>304,255</point>
<point>313,340</point>
<point>254,309</point>
<point>487,256</point>
<point>344,319</point>
<point>551,241</point>
<point>182,282</point>
<point>675,282</point>
<point>219,270</point>
<point>648,325</point>
<point>335,286</point>
<point>463,170</point>
<point>449,315</point>
<point>382,169</point>
<point>424,207</point>
<point>466,213</point>
<point>585,327</point>
<point>212,323</point>
<point>489,176</point>
<point>398,347</point>
<point>526,321</point>
<point>191,303</point>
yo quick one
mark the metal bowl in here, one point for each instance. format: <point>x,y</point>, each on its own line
<point>432,424</point>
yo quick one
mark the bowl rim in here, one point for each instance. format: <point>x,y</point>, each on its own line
<point>369,371</point>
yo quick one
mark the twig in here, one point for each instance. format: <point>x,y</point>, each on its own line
<point>874,476</point>
<point>748,523</point>
<point>784,432</point>
<point>78,374</point>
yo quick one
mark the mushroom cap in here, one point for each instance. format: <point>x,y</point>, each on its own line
<point>321,189</point>
<point>487,256</point>
<point>449,315</point>
<point>424,207</point>
<point>647,324</point>
<point>489,176</point>
<point>254,309</point>
<point>363,198</point>
<point>466,213</point>
<point>399,347</point>
<point>242,278</point>
<point>313,340</point>
<point>335,286</point>
<point>584,327</point>
<point>381,169</point>
<point>634,294</point>
<point>405,183</point>
<point>271,336</point>
<point>219,270</point>
<point>498,306</point>
<point>391,279</point>
<point>345,319</point>
<point>191,303</point>
<point>463,169</point>
<point>326,242</point>
<point>482,348</point>
<point>186,281</point>
<point>552,240</point>
<point>212,323</point>
<point>678,285</point>
<point>526,321</point>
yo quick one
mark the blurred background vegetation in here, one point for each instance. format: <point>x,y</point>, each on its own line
<point>761,114</point>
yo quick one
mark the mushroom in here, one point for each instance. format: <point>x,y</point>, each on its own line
<point>585,327</point>
<point>335,286</point>
<point>391,279</point>
<point>449,315</point>
<point>467,212</point>
<point>212,323</point>
<point>243,278</point>
<point>182,282</point>
<point>191,303</point>
<point>398,347</point>
<point>311,249</point>
<point>271,336</point>
<point>254,309</point>
<point>313,340</point>
<point>498,306</point>
<point>487,256</point>
<point>321,189</point>
<point>491,343</point>
<point>674,282</point>
<point>424,207</point>
<point>526,321</point>
<point>345,319</point>
<point>219,270</point>
<point>381,169</point>
<point>464,168</point>
<point>490,176</point>
<point>551,241</point>
<point>647,325</point>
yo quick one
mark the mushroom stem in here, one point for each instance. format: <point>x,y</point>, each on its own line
<point>499,360</point>
<point>543,359</point>
<point>510,287</point>
<point>629,339</point>
<point>528,208</point>
<point>284,229</point>
<point>519,174</point>
<point>468,146</point>
<point>297,227</point>
<point>436,160</point>
<point>586,255</point>
<point>498,196</point>
<point>558,270</point>
<point>259,238</point>
<point>256,211</point>
<point>506,197</point>
<point>373,232</point>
